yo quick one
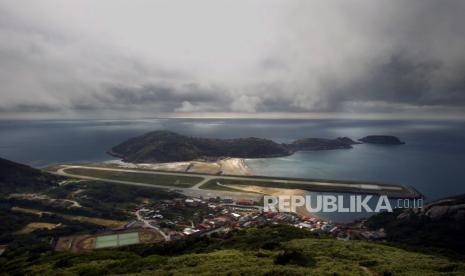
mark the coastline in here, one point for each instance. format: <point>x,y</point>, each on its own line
<point>302,211</point>
<point>226,166</point>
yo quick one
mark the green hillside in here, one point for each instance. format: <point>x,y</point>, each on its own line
<point>246,252</point>
<point>439,224</point>
<point>19,178</point>
<point>166,146</point>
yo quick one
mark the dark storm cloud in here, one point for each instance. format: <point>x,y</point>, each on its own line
<point>301,56</point>
<point>369,55</point>
<point>401,80</point>
<point>167,98</point>
<point>29,108</point>
<point>160,93</point>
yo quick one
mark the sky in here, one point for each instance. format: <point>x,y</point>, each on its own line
<point>287,58</point>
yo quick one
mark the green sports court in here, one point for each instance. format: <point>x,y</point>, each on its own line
<point>117,240</point>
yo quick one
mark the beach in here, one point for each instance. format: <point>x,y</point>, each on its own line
<point>302,211</point>
<point>227,166</point>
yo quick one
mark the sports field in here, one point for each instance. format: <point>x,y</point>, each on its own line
<point>81,243</point>
<point>117,240</point>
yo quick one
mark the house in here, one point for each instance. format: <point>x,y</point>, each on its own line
<point>245,202</point>
<point>235,215</point>
<point>222,219</point>
<point>305,225</point>
<point>228,201</point>
<point>189,231</point>
<point>203,226</point>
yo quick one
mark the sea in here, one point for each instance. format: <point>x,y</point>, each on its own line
<point>432,160</point>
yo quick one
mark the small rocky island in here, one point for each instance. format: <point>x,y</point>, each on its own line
<point>382,140</point>
<point>321,144</point>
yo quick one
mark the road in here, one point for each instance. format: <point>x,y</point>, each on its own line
<point>194,191</point>
<point>62,172</point>
<point>368,187</point>
<point>147,224</point>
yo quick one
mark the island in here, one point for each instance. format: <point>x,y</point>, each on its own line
<point>167,146</point>
<point>322,144</point>
<point>382,140</point>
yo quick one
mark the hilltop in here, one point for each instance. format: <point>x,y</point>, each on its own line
<point>19,178</point>
<point>382,140</point>
<point>322,144</point>
<point>166,146</point>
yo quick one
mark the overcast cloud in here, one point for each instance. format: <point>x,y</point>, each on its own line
<point>232,56</point>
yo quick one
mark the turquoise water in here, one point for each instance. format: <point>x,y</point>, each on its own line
<point>435,174</point>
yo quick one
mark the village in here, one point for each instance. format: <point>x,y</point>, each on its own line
<point>222,215</point>
<point>184,217</point>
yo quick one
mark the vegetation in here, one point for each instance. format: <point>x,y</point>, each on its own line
<point>440,224</point>
<point>322,144</point>
<point>142,177</point>
<point>166,146</point>
<point>98,210</point>
<point>381,139</point>
<point>118,196</point>
<point>277,250</point>
<point>103,200</point>
<point>263,238</point>
<point>18,178</point>
<point>38,241</point>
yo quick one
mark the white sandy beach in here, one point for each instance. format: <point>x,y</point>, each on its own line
<point>302,211</point>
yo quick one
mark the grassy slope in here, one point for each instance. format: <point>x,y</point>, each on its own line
<point>247,252</point>
<point>155,179</point>
<point>419,229</point>
<point>18,178</point>
<point>166,146</point>
<point>308,256</point>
